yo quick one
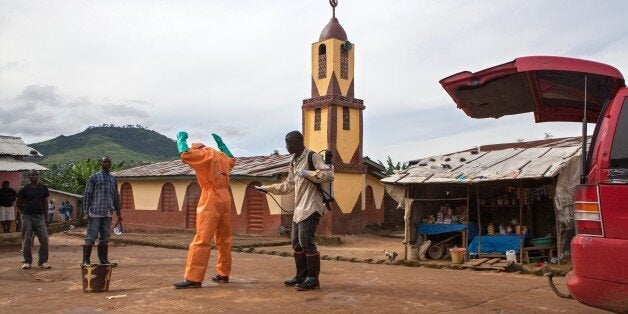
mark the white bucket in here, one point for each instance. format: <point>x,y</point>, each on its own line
<point>413,252</point>
<point>511,255</point>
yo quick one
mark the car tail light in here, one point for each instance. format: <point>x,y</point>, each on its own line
<point>587,213</point>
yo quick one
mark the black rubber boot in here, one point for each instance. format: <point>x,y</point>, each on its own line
<point>187,284</point>
<point>313,269</point>
<point>103,252</point>
<point>87,254</point>
<point>220,278</point>
<point>301,264</point>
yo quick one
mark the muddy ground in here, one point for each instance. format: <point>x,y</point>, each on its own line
<point>143,283</point>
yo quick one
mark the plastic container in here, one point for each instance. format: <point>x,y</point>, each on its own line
<point>413,252</point>
<point>96,278</point>
<point>511,255</point>
<point>457,255</point>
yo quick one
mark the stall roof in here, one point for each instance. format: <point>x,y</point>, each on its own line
<point>525,160</point>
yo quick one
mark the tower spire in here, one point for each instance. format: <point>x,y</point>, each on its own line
<point>333,4</point>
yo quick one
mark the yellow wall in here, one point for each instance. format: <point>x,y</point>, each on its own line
<point>315,140</point>
<point>378,190</point>
<point>348,140</point>
<point>146,194</point>
<point>238,190</point>
<point>333,64</point>
<point>347,189</point>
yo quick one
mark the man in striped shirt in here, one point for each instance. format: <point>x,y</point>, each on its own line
<point>101,200</point>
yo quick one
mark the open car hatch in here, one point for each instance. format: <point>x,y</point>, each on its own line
<point>551,87</point>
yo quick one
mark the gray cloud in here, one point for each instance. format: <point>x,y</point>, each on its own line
<point>241,68</point>
<point>41,112</point>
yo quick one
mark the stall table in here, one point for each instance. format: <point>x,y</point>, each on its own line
<point>440,228</point>
<point>496,244</point>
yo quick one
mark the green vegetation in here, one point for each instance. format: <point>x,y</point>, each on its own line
<point>133,145</point>
<point>73,159</point>
<point>392,167</point>
<point>74,178</point>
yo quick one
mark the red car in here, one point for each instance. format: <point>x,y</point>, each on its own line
<point>566,89</point>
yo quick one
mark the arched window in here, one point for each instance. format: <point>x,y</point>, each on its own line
<point>322,61</point>
<point>346,118</point>
<point>168,199</point>
<point>344,64</point>
<point>126,197</point>
<point>192,195</point>
<point>317,119</point>
<point>370,199</point>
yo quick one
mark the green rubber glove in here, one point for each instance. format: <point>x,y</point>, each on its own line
<point>223,148</point>
<point>182,146</point>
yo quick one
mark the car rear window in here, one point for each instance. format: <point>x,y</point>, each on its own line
<point>619,151</point>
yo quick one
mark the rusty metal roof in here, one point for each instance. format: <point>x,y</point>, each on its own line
<point>256,166</point>
<point>14,146</point>
<point>531,161</point>
<point>10,163</point>
<point>66,193</point>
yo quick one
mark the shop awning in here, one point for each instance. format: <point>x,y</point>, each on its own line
<point>473,166</point>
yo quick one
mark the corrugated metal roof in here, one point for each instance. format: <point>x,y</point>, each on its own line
<point>14,146</point>
<point>67,193</point>
<point>9,163</point>
<point>504,164</point>
<point>257,166</point>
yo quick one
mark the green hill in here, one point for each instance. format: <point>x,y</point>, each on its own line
<point>133,145</point>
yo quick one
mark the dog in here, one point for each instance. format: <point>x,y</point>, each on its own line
<point>390,256</point>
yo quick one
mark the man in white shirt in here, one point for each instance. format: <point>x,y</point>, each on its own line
<point>308,208</point>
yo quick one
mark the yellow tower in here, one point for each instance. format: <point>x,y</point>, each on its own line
<point>332,117</point>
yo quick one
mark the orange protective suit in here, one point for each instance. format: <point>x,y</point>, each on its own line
<point>212,212</point>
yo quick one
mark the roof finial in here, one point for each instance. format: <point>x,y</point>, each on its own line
<point>333,4</point>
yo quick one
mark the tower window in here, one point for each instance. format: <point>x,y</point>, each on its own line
<point>317,119</point>
<point>322,61</point>
<point>346,120</point>
<point>344,64</point>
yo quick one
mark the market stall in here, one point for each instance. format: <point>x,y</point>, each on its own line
<point>507,192</point>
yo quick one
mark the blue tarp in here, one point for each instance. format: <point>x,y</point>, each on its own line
<point>423,228</point>
<point>496,244</point>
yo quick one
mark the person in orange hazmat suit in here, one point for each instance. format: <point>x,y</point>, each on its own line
<point>212,168</point>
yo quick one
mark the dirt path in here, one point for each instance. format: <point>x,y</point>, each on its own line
<point>146,275</point>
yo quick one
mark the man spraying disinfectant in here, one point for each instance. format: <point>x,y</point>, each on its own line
<point>212,212</point>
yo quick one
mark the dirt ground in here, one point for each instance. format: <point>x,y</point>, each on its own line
<point>143,282</point>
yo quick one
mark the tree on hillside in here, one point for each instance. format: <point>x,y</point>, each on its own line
<point>73,178</point>
<point>391,167</point>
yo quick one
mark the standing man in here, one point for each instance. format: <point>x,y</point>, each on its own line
<point>7,212</point>
<point>213,211</point>
<point>101,200</point>
<point>308,208</point>
<point>32,201</point>
<point>51,211</point>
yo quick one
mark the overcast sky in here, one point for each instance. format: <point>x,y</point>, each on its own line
<point>242,68</point>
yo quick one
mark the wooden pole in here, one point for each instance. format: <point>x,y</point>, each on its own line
<point>522,240</point>
<point>477,202</point>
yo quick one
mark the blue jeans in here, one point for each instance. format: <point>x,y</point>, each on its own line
<point>50,216</point>
<point>34,224</point>
<point>303,238</point>
<point>98,226</point>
